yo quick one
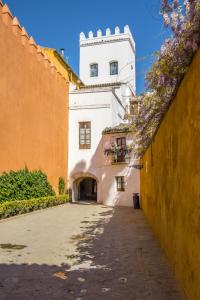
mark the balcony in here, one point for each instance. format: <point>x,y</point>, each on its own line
<point>121,157</point>
<point>118,155</point>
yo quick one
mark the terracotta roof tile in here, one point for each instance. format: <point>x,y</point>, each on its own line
<point>121,128</point>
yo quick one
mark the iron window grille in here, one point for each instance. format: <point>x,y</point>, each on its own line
<point>121,154</point>
<point>120,183</point>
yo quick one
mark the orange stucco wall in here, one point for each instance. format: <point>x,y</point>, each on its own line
<point>33,105</point>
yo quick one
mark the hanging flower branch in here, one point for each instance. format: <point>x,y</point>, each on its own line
<point>171,64</point>
<point>115,149</point>
<point>119,154</point>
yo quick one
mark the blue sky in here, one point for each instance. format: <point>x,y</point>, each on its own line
<point>57,24</point>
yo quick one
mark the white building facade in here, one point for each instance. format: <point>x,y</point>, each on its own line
<point>107,68</point>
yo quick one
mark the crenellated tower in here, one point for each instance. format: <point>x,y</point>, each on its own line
<point>108,58</point>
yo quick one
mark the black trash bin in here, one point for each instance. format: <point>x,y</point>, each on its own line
<point>136,201</point>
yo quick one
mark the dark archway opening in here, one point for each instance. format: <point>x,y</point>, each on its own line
<point>87,189</point>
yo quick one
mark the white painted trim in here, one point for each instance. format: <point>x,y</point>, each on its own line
<point>95,106</point>
<point>94,90</point>
<point>86,44</point>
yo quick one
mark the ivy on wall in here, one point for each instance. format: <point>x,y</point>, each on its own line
<point>61,186</point>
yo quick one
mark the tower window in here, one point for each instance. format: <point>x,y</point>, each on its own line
<point>94,70</point>
<point>114,68</point>
<point>84,135</point>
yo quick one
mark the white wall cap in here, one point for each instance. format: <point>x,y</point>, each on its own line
<point>117,30</point>
<point>90,35</point>
<point>82,36</point>
<point>108,31</point>
<point>127,29</point>
<point>99,33</point>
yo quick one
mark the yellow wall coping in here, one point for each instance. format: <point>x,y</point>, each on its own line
<point>62,66</point>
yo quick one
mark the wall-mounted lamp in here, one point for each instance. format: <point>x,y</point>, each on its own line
<point>137,166</point>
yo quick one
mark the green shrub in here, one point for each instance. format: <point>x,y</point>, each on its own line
<point>12,208</point>
<point>24,184</point>
<point>61,186</point>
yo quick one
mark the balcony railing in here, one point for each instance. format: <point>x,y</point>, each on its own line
<point>119,155</point>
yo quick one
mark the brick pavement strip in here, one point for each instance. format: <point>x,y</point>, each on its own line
<point>83,252</point>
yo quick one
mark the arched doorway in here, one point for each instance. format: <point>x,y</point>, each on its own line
<point>84,187</point>
<point>87,189</point>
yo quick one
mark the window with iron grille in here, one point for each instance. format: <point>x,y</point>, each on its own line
<point>121,141</point>
<point>84,135</point>
<point>121,154</point>
<point>114,68</point>
<point>94,70</point>
<point>120,183</point>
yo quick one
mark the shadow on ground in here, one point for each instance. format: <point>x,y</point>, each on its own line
<point>117,257</point>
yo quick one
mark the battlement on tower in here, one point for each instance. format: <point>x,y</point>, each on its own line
<point>108,37</point>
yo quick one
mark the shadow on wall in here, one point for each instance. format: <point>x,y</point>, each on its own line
<point>93,170</point>
<point>104,175</point>
<point>104,267</point>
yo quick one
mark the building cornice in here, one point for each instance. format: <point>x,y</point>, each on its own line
<point>94,90</point>
<point>108,41</point>
<point>97,88</point>
<point>92,106</point>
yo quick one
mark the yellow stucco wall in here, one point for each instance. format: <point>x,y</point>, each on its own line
<point>51,54</point>
<point>62,66</point>
<point>170,182</point>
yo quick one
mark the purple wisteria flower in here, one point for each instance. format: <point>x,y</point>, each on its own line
<point>172,62</point>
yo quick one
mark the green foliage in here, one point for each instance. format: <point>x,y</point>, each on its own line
<point>61,186</point>
<point>24,184</point>
<point>12,208</point>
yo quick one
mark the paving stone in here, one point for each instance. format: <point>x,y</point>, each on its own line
<point>114,256</point>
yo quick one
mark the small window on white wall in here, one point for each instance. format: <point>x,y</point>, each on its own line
<point>120,183</point>
<point>84,135</point>
<point>113,68</point>
<point>94,70</point>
